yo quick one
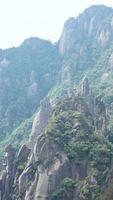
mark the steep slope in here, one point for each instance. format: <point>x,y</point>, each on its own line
<point>69,152</point>
<point>27,73</point>
<point>86,45</point>
<point>71,159</point>
<point>94,25</point>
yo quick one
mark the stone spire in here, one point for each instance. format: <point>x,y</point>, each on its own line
<point>40,122</point>
<point>66,76</point>
<point>85,88</point>
<point>101,123</point>
<point>8,174</point>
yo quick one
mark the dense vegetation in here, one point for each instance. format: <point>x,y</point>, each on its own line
<point>75,134</point>
<point>38,68</point>
<point>27,73</point>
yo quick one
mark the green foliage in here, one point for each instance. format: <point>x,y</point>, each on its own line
<point>73,142</point>
<point>88,190</point>
<point>28,73</point>
<point>74,133</point>
<point>21,134</point>
<point>67,185</point>
<point>18,137</point>
<point>108,192</point>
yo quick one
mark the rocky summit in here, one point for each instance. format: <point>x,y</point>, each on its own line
<point>56,113</point>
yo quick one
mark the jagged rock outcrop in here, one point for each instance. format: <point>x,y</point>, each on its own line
<point>90,24</point>
<point>86,91</point>
<point>27,73</point>
<point>85,88</point>
<point>96,106</point>
<point>68,36</point>
<point>40,122</point>
<point>12,168</point>
<point>101,122</point>
<point>23,153</point>
<point>41,167</point>
<point>8,175</point>
<point>68,155</point>
<point>66,76</point>
<point>37,175</point>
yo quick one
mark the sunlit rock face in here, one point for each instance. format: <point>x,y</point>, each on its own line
<point>68,155</point>
<point>90,25</point>
<point>40,122</point>
<point>41,166</point>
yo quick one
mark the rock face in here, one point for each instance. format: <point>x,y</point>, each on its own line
<point>8,175</point>
<point>101,123</point>
<point>85,88</point>
<point>96,106</point>
<point>37,175</point>
<point>66,76</point>
<point>12,167</point>
<point>68,153</point>
<point>40,122</point>
<point>68,36</point>
<point>27,73</point>
<point>91,24</point>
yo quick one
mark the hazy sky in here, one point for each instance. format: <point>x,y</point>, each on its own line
<point>20,19</point>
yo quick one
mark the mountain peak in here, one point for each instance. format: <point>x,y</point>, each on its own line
<point>96,22</point>
<point>100,8</point>
<point>33,42</point>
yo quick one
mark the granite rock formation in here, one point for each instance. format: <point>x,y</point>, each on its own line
<point>41,166</point>
<point>88,25</point>
<point>40,122</point>
<point>69,152</point>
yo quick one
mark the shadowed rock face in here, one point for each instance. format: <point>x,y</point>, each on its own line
<point>85,89</point>
<point>23,153</point>
<point>8,175</point>
<point>38,174</point>
<point>41,166</point>
<point>52,166</point>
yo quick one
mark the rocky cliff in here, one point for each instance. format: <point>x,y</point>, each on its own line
<point>60,161</point>
<point>27,73</point>
<point>94,23</point>
<point>67,153</point>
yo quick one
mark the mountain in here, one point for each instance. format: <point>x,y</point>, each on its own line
<point>56,113</point>
<point>93,26</point>
<point>86,45</point>
<point>27,73</point>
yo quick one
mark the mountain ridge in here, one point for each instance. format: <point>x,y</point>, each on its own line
<point>76,74</point>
